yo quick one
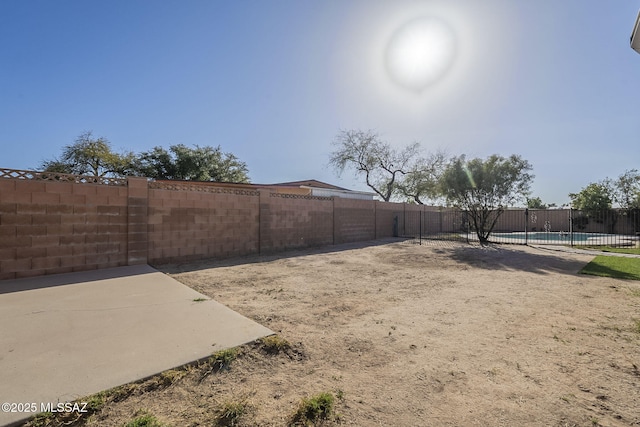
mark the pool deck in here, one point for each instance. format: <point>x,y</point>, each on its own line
<point>594,252</point>
<point>558,238</point>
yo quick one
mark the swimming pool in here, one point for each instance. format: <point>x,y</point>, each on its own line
<point>562,238</point>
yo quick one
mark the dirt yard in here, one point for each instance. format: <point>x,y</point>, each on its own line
<point>441,334</point>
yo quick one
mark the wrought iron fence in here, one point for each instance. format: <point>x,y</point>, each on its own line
<point>613,227</point>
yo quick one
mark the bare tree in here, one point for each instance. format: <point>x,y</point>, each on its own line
<point>422,181</point>
<point>381,165</point>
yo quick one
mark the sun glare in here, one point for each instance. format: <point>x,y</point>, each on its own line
<point>420,52</point>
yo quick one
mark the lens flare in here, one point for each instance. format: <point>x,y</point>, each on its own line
<point>470,176</point>
<point>420,53</point>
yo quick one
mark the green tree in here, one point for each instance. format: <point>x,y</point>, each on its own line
<point>89,156</point>
<point>627,195</point>
<point>626,190</point>
<point>535,203</point>
<point>422,180</point>
<point>484,188</point>
<point>381,165</point>
<point>190,164</point>
<point>595,202</point>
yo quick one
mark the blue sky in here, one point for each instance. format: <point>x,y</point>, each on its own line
<point>275,81</point>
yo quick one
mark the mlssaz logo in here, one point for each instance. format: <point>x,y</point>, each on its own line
<point>64,407</point>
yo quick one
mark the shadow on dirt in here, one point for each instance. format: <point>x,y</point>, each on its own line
<point>501,257</point>
<point>203,264</point>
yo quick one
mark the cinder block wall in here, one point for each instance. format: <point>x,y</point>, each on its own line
<point>186,224</point>
<point>384,216</point>
<point>291,221</point>
<point>57,226</point>
<point>51,227</point>
<point>354,220</point>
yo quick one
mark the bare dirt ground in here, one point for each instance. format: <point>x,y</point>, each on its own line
<point>441,334</point>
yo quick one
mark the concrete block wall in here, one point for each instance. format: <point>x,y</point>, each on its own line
<point>384,215</point>
<point>354,220</point>
<point>53,225</point>
<point>185,225</point>
<point>49,227</point>
<point>290,221</point>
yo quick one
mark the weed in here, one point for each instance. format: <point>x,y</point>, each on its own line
<point>567,398</point>
<point>230,412</point>
<point>222,359</point>
<point>41,420</point>
<point>95,402</point>
<point>636,326</point>
<point>274,344</point>
<point>218,361</point>
<point>313,409</point>
<point>199,299</point>
<point>634,292</point>
<point>557,338</point>
<point>144,420</point>
<point>167,378</point>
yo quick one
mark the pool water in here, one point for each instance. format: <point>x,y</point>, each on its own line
<point>548,236</point>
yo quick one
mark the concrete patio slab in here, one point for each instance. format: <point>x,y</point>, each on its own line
<point>67,336</point>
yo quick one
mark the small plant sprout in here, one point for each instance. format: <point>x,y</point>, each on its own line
<point>144,419</point>
<point>230,412</point>
<point>274,344</point>
<point>314,409</point>
<point>222,359</point>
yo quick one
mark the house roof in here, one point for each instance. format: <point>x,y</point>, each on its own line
<point>309,183</point>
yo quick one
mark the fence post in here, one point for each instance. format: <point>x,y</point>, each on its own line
<point>571,224</point>
<point>404,219</point>
<point>420,227</point>
<point>526,226</point>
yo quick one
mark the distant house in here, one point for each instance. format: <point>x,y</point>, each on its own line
<point>313,187</point>
<point>309,187</point>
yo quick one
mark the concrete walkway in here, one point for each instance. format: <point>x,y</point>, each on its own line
<point>594,252</point>
<point>67,336</point>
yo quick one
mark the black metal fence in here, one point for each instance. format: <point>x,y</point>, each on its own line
<point>614,227</point>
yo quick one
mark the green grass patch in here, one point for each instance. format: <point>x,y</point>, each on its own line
<point>145,420</point>
<point>314,409</point>
<point>222,359</point>
<point>615,267</point>
<point>633,251</point>
<point>274,344</point>
<point>230,413</point>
